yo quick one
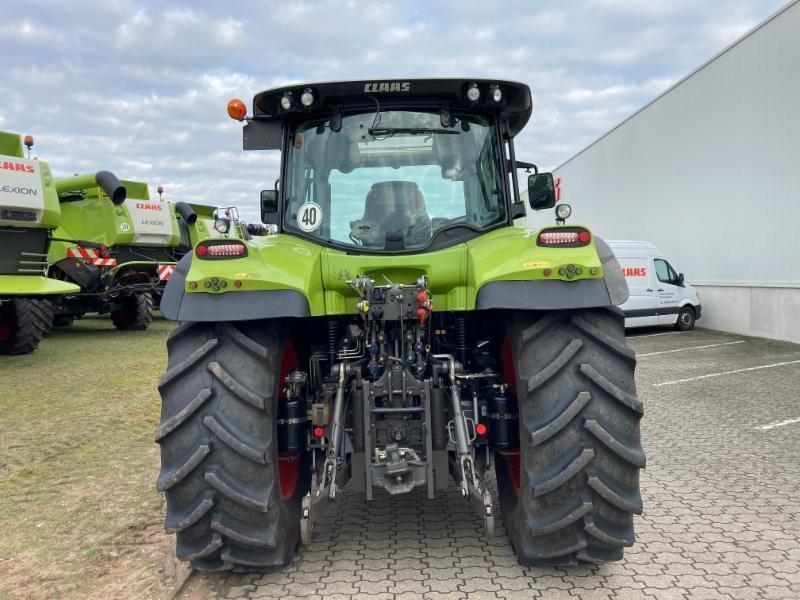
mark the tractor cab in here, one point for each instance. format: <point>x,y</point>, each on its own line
<point>399,166</point>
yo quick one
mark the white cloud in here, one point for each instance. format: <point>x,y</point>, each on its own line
<point>229,31</point>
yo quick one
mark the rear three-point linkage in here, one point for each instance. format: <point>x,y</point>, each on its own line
<point>386,389</point>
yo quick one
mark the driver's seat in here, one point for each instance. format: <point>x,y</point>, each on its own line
<point>393,207</point>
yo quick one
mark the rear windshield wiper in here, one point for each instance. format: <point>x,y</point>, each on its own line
<point>409,130</point>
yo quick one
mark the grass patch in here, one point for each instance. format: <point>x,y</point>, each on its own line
<point>77,458</point>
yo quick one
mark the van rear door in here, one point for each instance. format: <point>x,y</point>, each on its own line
<point>642,305</point>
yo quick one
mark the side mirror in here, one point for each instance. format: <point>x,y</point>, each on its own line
<point>680,278</point>
<point>269,206</point>
<point>541,191</point>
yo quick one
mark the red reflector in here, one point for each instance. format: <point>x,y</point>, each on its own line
<point>221,250</point>
<point>319,431</point>
<point>481,429</point>
<point>585,236</point>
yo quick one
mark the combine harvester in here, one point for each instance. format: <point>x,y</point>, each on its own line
<point>120,252</point>
<point>29,211</point>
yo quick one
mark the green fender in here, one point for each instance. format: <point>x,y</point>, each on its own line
<point>511,271</point>
<point>34,285</point>
<point>287,276</point>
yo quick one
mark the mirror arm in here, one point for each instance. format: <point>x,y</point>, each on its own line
<point>512,157</point>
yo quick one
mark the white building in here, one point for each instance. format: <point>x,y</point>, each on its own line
<point>710,173</point>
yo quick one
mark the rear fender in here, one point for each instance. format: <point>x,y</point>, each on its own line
<point>179,305</point>
<point>516,273</point>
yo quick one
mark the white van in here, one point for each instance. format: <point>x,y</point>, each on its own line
<point>658,294</point>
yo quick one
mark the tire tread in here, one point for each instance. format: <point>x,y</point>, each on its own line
<point>218,449</point>
<point>581,454</point>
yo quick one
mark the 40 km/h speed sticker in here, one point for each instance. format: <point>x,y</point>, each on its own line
<point>309,217</point>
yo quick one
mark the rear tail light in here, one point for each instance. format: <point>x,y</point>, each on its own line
<point>227,250</point>
<point>564,237</point>
<point>558,237</point>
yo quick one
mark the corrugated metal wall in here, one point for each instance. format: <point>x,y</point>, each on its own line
<point>709,171</point>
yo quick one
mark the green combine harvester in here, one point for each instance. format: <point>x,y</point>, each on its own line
<point>29,211</point>
<point>119,248</point>
<point>398,332</point>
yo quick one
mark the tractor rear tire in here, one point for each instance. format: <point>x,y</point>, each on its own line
<point>220,470</point>
<point>577,472</point>
<point>135,314</point>
<point>23,324</point>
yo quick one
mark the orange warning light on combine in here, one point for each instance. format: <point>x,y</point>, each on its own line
<point>28,140</point>
<point>237,110</point>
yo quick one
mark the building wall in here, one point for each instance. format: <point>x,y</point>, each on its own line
<point>710,173</point>
<point>770,312</point>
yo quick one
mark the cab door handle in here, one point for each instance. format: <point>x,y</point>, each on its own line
<point>660,289</point>
<point>649,289</point>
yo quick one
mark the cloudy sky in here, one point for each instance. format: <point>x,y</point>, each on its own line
<point>140,88</point>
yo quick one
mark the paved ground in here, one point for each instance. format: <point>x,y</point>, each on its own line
<point>721,520</point>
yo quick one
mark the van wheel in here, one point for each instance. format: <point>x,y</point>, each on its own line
<point>686,319</point>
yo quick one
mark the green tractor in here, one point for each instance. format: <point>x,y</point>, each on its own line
<point>118,246</point>
<point>29,212</point>
<point>396,332</point>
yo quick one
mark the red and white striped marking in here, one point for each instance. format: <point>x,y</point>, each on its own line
<point>102,262</point>
<point>165,272</point>
<point>79,252</point>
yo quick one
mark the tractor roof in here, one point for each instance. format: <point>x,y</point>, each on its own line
<point>448,93</point>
